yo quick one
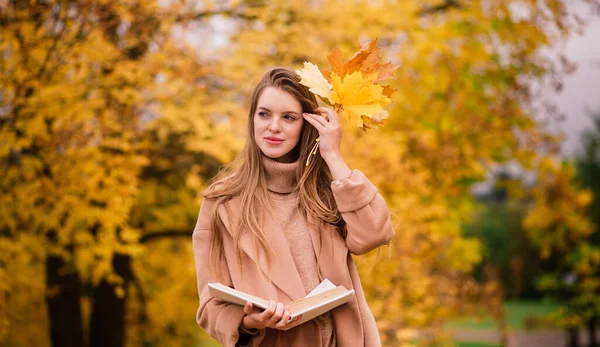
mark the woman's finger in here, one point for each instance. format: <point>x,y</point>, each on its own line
<point>285,319</point>
<point>293,322</point>
<point>314,122</point>
<point>268,313</point>
<point>276,317</point>
<point>332,116</point>
<point>319,118</point>
<point>248,308</point>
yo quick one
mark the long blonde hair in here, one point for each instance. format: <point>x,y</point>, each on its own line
<point>245,178</point>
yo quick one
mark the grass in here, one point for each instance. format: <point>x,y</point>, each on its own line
<point>522,315</point>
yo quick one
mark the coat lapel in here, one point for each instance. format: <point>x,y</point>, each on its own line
<point>280,267</point>
<point>332,254</point>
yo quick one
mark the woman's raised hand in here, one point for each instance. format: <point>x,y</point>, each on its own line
<point>276,316</point>
<point>330,131</point>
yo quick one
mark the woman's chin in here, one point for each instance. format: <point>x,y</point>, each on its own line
<point>271,155</point>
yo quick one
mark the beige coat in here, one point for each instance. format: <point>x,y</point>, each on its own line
<point>369,226</point>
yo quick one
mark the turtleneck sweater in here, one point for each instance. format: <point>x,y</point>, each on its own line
<point>281,184</point>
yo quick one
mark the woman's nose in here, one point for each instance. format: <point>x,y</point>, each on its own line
<point>274,125</point>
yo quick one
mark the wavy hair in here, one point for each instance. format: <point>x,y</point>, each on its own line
<point>245,178</point>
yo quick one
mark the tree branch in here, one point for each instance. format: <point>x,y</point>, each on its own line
<point>56,38</point>
<point>230,13</point>
<point>445,6</point>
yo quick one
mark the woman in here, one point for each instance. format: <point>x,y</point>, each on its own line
<point>274,227</point>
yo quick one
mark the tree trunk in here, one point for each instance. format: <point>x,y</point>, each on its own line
<point>107,324</point>
<point>64,306</point>
<point>592,331</point>
<point>573,337</point>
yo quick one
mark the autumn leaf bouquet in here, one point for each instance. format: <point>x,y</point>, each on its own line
<point>352,88</point>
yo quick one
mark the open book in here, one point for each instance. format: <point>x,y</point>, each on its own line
<point>326,296</point>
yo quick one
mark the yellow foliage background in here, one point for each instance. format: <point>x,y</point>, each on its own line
<point>114,114</point>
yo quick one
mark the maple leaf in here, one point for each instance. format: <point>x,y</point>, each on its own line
<point>366,60</point>
<point>312,78</point>
<point>337,64</point>
<point>353,91</point>
<point>354,88</point>
<point>375,121</point>
<point>360,97</point>
<point>388,91</point>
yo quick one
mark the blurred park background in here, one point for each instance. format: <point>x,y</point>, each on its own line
<point>115,114</point>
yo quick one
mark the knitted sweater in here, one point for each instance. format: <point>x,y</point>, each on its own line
<point>281,182</point>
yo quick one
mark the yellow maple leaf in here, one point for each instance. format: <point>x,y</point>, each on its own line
<point>360,97</point>
<point>312,78</point>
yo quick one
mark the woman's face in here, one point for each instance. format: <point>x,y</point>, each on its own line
<point>277,124</point>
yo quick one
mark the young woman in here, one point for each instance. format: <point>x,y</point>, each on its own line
<point>273,227</point>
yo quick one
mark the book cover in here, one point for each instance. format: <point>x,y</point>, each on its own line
<point>326,296</point>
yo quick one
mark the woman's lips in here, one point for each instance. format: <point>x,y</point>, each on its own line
<point>273,141</point>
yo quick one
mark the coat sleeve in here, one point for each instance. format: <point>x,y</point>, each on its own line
<point>365,212</point>
<point>219,319</point>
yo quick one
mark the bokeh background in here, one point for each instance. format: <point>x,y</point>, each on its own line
<point>115,114</point>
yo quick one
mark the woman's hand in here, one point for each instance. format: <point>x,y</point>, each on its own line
<point>330,133</point>
<point>276,316</point>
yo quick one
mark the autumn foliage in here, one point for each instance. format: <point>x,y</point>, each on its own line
<point>352,88</point>
<point>114,114</point>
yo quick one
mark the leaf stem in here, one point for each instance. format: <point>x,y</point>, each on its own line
<point>313,151</point>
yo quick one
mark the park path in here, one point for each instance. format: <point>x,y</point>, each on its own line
<point>531,338</point>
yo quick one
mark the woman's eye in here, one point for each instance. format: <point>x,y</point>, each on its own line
<point>289,117</point>
<point>262,114</point>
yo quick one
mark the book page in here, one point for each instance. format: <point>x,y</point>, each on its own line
<point>330,297</point>
<point>322,287</point>
<point>316,305</point>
